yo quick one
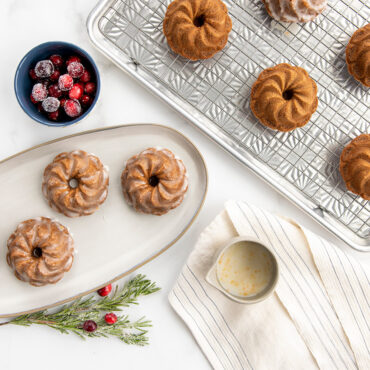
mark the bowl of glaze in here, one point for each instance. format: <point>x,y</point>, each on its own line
<point>245,270</point>
<point>23,83</point>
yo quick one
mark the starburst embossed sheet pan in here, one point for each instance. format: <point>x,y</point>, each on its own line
<point>214,95</point>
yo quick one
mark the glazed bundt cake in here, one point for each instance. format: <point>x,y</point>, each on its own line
<point>154,181</point>
<point>284,97</point>
<point>358,55</point>
<point>75,183</point>
<point>354,166</point>
<point>197,29</point>
<point>294,11</point>
<point>40,251</point>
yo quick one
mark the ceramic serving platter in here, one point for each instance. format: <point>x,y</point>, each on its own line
<point>112,242</point>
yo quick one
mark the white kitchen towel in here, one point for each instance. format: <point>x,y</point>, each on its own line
<point>319,315</point>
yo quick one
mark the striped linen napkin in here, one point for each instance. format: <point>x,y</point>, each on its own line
<point>318,317</point>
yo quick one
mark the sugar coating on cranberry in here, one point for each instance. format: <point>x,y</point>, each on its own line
<point>72,59</point>
<point>44,68</point>
<point>57,60</point>
<point>39,92</point>
<point>72,108</point>
<point>75,69</point>
<point>65,82</point>
<point>50,104</point>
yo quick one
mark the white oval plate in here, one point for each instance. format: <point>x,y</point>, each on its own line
<point>112,242</point>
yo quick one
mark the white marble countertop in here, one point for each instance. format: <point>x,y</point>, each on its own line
<point>24,24</point>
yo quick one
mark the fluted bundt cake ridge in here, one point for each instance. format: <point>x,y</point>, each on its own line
<point>40,251</point>
<point>197,29</point>
<point>284,97</point>
<point>154,181</point>
<point>355,166</point>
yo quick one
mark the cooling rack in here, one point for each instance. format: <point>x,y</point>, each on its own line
<point>214,95</point>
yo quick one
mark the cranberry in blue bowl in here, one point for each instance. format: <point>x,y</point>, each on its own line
<point>57,83</point>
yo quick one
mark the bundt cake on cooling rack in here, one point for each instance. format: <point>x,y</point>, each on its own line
<point>75,183</point>
<point>358,55</point>
<point>197,29</point>
<point>294,11</point>
<point>354,166</point>
<point>40,251</point>
<point>154,181</point>
<point>284,97</point>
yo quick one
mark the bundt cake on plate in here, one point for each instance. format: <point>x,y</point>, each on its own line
<point>154,181</point>
<point>197,29</point>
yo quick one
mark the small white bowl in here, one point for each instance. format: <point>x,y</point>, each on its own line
<point>213,279</point>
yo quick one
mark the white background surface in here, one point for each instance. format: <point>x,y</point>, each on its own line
<point>23,25</point>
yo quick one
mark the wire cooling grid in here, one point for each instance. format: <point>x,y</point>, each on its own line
<point>214,95</point>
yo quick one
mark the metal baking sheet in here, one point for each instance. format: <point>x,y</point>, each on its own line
<point>214,95</point>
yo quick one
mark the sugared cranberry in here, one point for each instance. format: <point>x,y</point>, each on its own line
<point>105,291</point>
<point>76,91</point>
<point>50,104</point>
<point>65,82</point>
<point>44,68</point>
<point>57,60</point>
<point>73,59</point>
<point>72,108</point>
<point>39,92</point>
<point>90,88</point>
<point>32,74</point>
<point>54,116</point>
<point>62,102</point>
<point>86,76</point>
<point>55,91</point>
<point>75,69</point>
<point>55,75</point>
<point>110,318</point>
<point>33,100</point>
<point>90,326</point>
<point>86,100</point>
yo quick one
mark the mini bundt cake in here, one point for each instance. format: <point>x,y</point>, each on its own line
<point>354,166</point>
<point>197,29</point>
<point>294,11</point>
<point>154,181</point>
<point>40,251</point>
<point>75,183</point>
<point>284,97</point>
<point>358,55</point>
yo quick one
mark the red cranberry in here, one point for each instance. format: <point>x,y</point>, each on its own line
<point>54,116</point>
<point>44,68</point>
<point>72,108</point>
<point>86,100</point>
<point>32,74</point>
<point>110,318</point>
<point>39,107</point>
<point>54,91</point>
<point>39,92</point>
<point>65,82</point>
<point>50,104</point>
<point>90,88</point>
<point>105,291</point>
<point>75,69</point>
<point>62,102</point>
<point>73,59</point>
<point>57,60</point>
<point>33,100</point>
<point>76,91</point>
<point>86,76</point>
<point>55,75</point>
<point>90,326</point>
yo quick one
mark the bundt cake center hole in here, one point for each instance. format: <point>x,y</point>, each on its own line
<point>199,20</point>
<point>153,180</point>
<point>37,252</point>
<point>288,94</point>
<point>73,183</point>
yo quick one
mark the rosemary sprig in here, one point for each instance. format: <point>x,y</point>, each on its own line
<point>70,318</point>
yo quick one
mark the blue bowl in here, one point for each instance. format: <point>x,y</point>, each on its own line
<point>23,83</point>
